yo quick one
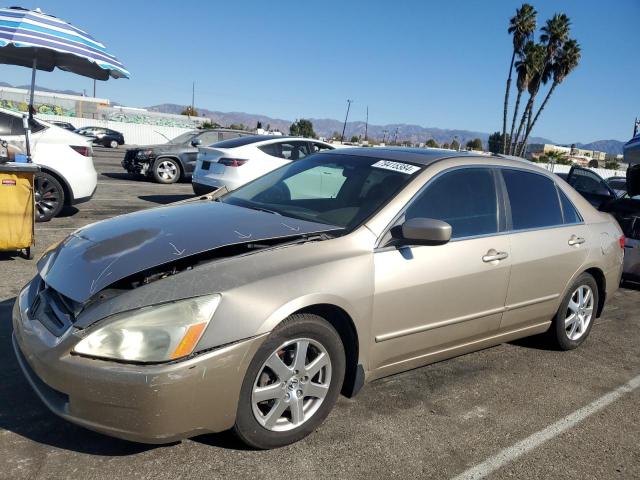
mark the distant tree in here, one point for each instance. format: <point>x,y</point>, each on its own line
<point>446,146</point>
<point>302,128</point>
<point>496,141</point>
<point>258,125</point>
<point>557,157</point>
<point>208,124</point>
<point>354,139</point>
<point>335,135</point>
<point>612,165</point>
<point>521,27</point>
<point>238,126</point>
<point>431,143</point>
<point>268,127</point>
<point>455,145</point>
<point>475,144</point>
<point>190,112</point>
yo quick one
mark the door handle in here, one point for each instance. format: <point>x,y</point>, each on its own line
<point>576,240</point>
<point>494,256</point>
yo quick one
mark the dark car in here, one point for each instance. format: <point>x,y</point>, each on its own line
<point>606,196</point>
<point>176,159</point>
<point>65,125</point>
<point>102,136</point>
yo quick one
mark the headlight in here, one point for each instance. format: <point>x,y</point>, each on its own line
<point>152,334</point>
<point>144,153</point>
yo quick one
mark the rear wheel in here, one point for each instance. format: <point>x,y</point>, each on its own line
<point>113,144</point>
<point>49,197</point>
<point>292,383</point>
<point>573,322</point>
<point>166,170</point>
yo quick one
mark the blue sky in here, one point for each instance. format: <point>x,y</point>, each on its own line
<point>432,63</point>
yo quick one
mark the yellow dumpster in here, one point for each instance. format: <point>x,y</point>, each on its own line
<point>17,207</point>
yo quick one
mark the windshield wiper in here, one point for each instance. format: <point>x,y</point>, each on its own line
<point>261,209</point>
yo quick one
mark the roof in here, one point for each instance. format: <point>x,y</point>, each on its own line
<point>422,156</point>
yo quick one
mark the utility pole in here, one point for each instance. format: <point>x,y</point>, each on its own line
<point>344,127</point>
<point>366,126</point>
<point>193,97</point>
<point>94,88</point>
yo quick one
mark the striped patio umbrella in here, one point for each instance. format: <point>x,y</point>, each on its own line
<point>30,38</point>
<point>33,39</point>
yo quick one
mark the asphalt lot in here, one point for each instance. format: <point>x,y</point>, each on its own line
<point>434,422</point>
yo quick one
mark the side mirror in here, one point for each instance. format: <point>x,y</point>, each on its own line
<point>196,142</point>
<point>424,231</point>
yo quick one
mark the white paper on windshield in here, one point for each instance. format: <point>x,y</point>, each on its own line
<point>396,166</point>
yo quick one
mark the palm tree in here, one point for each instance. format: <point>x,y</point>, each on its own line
<point>567,60</point>
<point>530,60</point>
<point>521,27</point>
<point>554,35</point>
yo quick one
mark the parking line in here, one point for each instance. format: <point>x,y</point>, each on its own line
<point>509,454</point>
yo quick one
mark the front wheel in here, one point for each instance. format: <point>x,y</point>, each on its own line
<point>113,144</point>
<point>166,170</point>
<point>574,319</point>
<point>291,384</point>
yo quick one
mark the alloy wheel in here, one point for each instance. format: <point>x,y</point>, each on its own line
<point>167,170</point>
<point>47,197</point>
<point>579,312</point>
<point>291,385</point>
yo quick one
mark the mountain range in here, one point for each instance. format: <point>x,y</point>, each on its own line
<point>326,127</point>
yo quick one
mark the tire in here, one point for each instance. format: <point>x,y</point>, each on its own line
<point>568,334</point>
<point>254,426</point>
<point>113,144</point>
<point>49,197</point>
<point>166,170</point>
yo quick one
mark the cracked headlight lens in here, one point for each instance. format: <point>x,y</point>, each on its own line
<point>152,334</point>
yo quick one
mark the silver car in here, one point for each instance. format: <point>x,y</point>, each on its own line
<point>254,310</point>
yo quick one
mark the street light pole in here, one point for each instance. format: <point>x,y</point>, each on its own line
<point>366,126</point>
<point>344,127</point>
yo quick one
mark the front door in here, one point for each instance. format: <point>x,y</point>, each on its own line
<point>430,299</point>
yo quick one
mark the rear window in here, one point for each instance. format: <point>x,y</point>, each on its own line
<point>533,199</point>
<point>571,215</point>
<point>241,141</point>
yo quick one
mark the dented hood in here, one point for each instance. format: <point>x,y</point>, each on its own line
<point>98,255</point>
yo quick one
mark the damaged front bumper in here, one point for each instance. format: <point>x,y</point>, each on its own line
<point>144,403</point>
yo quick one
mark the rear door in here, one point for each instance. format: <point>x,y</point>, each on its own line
<point>549,243</point>
<point>591,186</point>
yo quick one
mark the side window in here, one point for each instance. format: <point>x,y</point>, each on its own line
<point>466,199</point>
<point>7,125</point>
<point>272,149</point>
<point>587,182</point>
<point>294,150</point>
<point>533,199</point>
<point>209,138</point>
<point>319,147</point>
<point>571,215</point>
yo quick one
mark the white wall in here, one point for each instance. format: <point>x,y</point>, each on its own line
<point>134,133</point>
<point>603,172</point>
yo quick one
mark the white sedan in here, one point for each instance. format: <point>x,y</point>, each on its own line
<point>234,162</point>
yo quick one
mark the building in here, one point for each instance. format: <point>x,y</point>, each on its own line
<point>575,155</point>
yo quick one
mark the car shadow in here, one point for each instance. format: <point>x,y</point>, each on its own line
<point>226,440</point>
<point>125,176</point>
<point>22,412</point>
<point>165,199</point>
<point>628,285</point>
<point>536,342</point>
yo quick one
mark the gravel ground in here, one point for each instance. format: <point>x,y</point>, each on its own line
<point>433,422</point>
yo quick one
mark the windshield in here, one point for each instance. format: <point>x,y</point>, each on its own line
<point>340,190</point>
<point>185,137</point>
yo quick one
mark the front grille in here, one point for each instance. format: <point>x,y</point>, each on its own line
<point>53,310</point>
<point>130,155</point>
